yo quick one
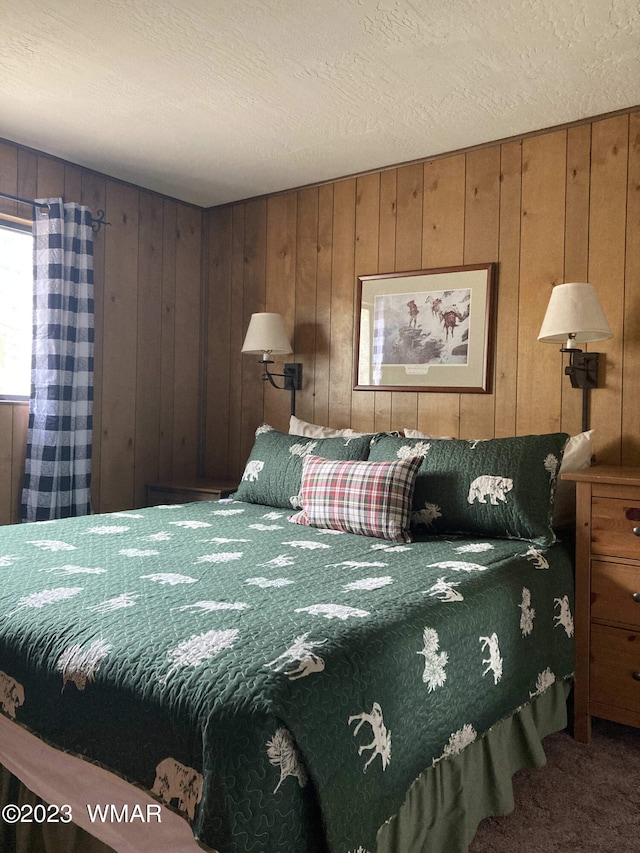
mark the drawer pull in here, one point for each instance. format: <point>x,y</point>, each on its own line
<point>636,531</point>
<point>636,597</point>
<point>636,676</point>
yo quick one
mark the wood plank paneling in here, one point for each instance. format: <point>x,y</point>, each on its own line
<point>547,208</point>
<point>443,246</point>
<point>541,266</point>
<point>222,237</point>
<point>187,353</point>
<point>481,241</point>
<point>145,263</point>
<point>506,354</point>
<point>631,365</point>
<point>607,238</point>
<point>304,339</point>
<point>366,263</point>
<point>409,214</point>
<point>342,284</point>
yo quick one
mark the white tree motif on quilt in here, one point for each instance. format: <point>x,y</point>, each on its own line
<point>283,753</point>
<point>494,487</point>
<point>357,564</point>
<point>420,448</point>
<point>427,515</point>
<point>235,511</point>
<point>301,653</point>
<point>527,613</point>
<point>551,465</point>
<point>457,742</point>
<point>458,566</point>
<point>138,552</point>
<point>211,606</point>
<point>494,661</point>
<point>535,556</point>
<point>162,536</point>
<point>435,661</point>
<point>264,527</point>
<point>224,540</point>
<point>390,547</point>
<point>263,428</point>
<point>201,647</point>
<point>74,570</point>
<point>7,560</point>
<point>272,516</point>
<point>333,611</point>
<point>80,665</point>
<point>368,584</point>
<point>47,596</point>
<point>125,599</point>
<point>307,544</point>
<point>359,850</point>
<point>543,682</point>
<point>279,562</point>
<point>266,583</point>
<point>190,524</point>
<point>445,590</point>
<point>108,529</point>
<point>220,557</point>
<point>381,743</point>
<point>52,545</point>
<point>564,617</point>
<point>474,548</point>
<point>168,578</point>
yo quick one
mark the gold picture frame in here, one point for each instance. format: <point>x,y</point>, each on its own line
<point>426,330</point>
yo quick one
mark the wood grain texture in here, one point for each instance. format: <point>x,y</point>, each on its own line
<point>138,280</point>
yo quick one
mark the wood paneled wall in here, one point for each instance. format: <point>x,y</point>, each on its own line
<point>148,296</point>
<point>552,207</point>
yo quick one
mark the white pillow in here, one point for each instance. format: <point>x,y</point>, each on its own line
<point>300,427</point>
<point>416,433</point>
<point>577,456</point>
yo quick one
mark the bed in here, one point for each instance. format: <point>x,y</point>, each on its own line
<point>294,669</point>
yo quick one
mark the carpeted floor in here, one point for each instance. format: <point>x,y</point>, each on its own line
<point>586,800</point>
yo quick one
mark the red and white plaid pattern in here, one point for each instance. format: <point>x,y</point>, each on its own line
<point>369,498</point>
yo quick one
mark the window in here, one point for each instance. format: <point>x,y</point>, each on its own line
<point>16,300</point>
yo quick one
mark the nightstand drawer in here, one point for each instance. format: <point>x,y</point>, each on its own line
<point>615,657</point>
<point>612,524</point>
<point>612,589</point>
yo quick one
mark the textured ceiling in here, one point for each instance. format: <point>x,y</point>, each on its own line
<point>211,101</point>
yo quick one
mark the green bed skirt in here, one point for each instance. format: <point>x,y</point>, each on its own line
<point>441,812</point>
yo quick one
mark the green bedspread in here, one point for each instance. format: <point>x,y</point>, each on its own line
<point>281,686</point>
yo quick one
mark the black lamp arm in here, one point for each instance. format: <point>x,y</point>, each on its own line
<point>292,379</point>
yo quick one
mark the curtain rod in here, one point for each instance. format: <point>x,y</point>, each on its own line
<point>96,224</point>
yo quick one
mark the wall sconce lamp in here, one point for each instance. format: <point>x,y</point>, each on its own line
<point>266,336</point>
<point>574,315</point>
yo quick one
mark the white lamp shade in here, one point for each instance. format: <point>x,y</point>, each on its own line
<point>574,315</point>
<point>266,334</point>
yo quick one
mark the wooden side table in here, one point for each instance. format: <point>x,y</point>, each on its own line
<point>607,617</point>
<point>186,491</point>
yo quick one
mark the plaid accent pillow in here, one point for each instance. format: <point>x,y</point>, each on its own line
<point>368,498</point>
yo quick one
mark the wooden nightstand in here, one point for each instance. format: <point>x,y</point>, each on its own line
<point>186,491</point>
<point>607,617</point>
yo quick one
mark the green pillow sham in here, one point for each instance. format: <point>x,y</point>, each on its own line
<point>273,472</point>
<point>499,487</point>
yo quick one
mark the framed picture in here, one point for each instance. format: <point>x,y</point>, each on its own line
<point>426,330</point>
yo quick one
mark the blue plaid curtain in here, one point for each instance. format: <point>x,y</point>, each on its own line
<point>58,465</point>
